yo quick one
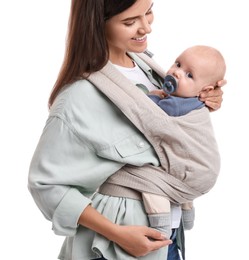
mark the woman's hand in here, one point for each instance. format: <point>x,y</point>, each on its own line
<point>135,240</point>
<point>213,98</point>
<point>140,240</point>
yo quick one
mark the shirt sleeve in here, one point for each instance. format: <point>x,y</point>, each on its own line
<point>62,175</point>
<point>82,144</point>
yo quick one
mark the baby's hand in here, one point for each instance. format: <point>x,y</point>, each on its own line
<point>158,92</point>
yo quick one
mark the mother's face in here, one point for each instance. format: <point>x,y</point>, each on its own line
<point>127,31</point>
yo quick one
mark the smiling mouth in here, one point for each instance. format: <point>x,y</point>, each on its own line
<point>140,39</point>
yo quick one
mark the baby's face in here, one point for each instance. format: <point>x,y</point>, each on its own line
<point>192,72</point>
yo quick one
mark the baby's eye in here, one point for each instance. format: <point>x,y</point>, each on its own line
<point>189,75</point>
<point>178,64</point>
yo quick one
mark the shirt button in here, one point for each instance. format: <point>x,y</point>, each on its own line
<point>141,144</point>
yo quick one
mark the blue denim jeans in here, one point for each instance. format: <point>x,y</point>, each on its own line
<point>173,252</point>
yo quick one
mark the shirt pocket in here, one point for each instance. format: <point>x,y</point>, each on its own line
<point>131,146</point>
<point>133,149</point>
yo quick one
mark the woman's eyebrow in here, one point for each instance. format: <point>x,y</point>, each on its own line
<point>134,17</point>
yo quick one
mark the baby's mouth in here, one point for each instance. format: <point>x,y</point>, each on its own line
<point>170,84</point>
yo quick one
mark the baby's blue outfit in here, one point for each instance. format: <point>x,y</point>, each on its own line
<point>177,106</point>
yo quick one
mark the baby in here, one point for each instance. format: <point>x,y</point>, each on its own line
<point>196,69</point>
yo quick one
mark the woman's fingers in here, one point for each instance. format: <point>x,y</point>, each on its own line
<point>212,98</point>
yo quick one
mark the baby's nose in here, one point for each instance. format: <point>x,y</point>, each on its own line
<point>176,74</point>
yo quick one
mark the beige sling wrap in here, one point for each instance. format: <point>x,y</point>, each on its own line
<point>186,145</point>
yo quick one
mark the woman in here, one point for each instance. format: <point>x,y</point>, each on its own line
<point>87,138</point>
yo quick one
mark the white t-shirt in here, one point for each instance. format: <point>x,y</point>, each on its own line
<point>137,76</point>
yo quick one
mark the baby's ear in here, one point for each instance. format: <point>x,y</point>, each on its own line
<point>207,88</point>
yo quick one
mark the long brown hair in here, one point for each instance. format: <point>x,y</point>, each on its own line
<point>86,46</point>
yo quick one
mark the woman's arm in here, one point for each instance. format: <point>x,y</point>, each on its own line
<point>135,240</point>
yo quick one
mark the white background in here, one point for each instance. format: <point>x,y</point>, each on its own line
<point>32,47</point>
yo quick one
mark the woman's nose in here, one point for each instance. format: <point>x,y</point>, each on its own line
<point>145,26</point>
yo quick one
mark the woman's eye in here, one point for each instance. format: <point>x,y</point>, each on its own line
<point>130,23</point>
<point>149,12</point>
<point>189,75</point>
